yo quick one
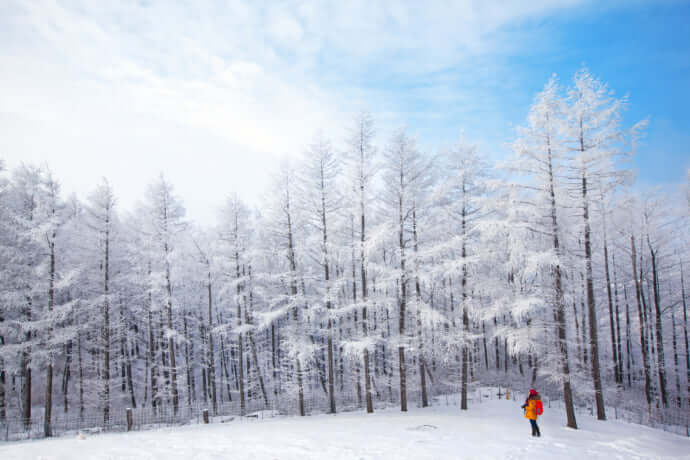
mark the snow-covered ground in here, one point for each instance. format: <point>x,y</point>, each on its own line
<point>492,430</point>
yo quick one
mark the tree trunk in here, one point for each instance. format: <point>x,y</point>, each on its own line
<point>240,351</point>
<point>367,377</point>
<point>250,334</point>
<point>329,306</point>
<point>506,359</point>
<point>26,371</point>
<point>81,378</point>
<point>559,307</point>
<point>106,322</point>
<point>402,305</point>
<point>47,428</point>
<point>186,361</point>
<point>273,359</point>
<point>621,373</point>
<point>675,358</point>
<point>497,348</point>
<point>240,341</point>
<point>465,318</point>
<point>685,329</point>
<point>661,363</point>
<point>47,418</point>
<point>203,337</point>
<point>155,398</point>
<point>211,354</point>
<point>612,322</point>
<point>66,375</point>
<point>486,350</point>
<point>171,342</point>
<point>643,335</point>
<point>628,338</point>
<point>163,350</point>
<point>126,359</point>
<point>418,293</point>
<point>365,331</point>
<point>647,315</point>
<point>463,390</point>
<point>583,310</point>
<point>300,389</point>
<point>293,293</point>
<point>363,275</point>
<point>130,383</point>
<point>591,309</point>
<point>3,382</point>
<point>224,365</point>
<point>252,344</point>
<point>577,332</point>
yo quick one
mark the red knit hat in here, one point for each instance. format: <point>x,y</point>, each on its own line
<point>532,392</point>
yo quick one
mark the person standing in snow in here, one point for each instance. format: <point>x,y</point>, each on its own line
<point>533,409</point>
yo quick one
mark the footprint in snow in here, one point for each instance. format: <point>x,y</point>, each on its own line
<point>423,428</point>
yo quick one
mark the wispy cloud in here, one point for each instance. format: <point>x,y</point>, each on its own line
<point>232,84</point>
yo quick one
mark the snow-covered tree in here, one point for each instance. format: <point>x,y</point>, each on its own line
<point>596,144</point>
<point>404,169</point>
<point>321,200</point>
<point>164,222</point>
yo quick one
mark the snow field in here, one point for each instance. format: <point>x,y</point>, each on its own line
<point>492,430</point>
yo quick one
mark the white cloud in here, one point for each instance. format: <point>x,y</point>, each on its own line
<point>211,92</point>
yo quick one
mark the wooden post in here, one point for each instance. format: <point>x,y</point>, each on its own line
<point>130,420</point>
<point>205,416</point>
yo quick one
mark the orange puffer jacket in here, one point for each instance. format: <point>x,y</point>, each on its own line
<point>534,407</point>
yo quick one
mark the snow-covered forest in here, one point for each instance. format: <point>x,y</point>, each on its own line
<point>374,274</point>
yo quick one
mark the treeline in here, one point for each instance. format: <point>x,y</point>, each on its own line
<point>373,274</point>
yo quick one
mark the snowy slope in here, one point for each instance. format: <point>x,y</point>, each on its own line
<point>491,430</point>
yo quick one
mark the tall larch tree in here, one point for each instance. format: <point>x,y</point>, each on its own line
<point>541,150</point>
<point>596,143</point>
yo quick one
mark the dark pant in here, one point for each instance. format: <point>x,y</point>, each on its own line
<point>535,428</point>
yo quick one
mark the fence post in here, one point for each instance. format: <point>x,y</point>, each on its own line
<point>129,419</point>
<point>205,416</point>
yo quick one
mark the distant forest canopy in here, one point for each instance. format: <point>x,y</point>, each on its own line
<point>374,275</point>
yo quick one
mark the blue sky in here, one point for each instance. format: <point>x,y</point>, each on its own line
<point>641,49</point>
<point>214,93</point>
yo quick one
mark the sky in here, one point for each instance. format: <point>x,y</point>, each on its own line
<point>214,93</point>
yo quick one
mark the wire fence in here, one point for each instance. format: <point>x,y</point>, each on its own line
<point>131,419</point>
